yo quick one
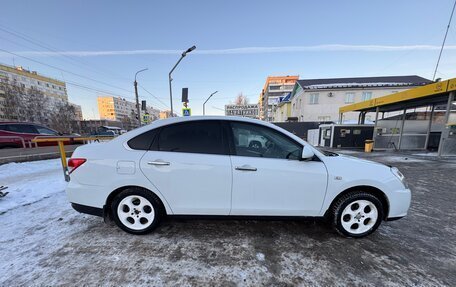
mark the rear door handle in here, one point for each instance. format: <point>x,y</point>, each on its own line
<point>158,162</point>
<point>246,168</point>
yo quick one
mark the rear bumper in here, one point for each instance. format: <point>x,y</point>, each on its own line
<point>88,209</point>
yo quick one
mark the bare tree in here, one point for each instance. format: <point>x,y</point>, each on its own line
<point>126,123</point>
<point>241,100</point>
<point>63,118</point>
<point>37,106</point>
<point>14,97</point>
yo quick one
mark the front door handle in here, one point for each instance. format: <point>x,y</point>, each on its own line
<point>158,162</point>
<point>246,168</point>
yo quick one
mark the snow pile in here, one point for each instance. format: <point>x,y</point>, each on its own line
<point>29,182</point>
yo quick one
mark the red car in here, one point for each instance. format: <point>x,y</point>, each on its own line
<point>16,134</point>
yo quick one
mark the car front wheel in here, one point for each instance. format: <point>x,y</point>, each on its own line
<point>136,211</point>
<point>357,214</point>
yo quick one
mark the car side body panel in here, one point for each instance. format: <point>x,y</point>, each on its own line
<point>345,172</point>
<point>114,165</point>
<point>96,179</point>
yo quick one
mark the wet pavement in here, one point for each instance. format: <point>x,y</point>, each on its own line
<point>48,243</point>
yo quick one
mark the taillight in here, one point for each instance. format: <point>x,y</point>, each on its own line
<point>74,163</point>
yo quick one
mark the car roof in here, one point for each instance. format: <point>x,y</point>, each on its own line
<point>196,118</point>
<point>164,122</point>
<point>174,120</point>
<point>21,123</point>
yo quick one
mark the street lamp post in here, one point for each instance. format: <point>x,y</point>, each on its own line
<point>204,110</point>
<point>170,78</point>
<point>137,98</point>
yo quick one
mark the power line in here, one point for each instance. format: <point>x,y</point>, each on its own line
<point>158,99</point>
<point>444,39</point>
<point>53,49</point>
<point>66,71</point>
<point>98,90</point>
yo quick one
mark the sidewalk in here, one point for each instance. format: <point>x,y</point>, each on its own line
<point>31,154</point>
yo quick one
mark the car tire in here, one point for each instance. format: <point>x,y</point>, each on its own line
<point>357,214</point>
<point>136,210</point>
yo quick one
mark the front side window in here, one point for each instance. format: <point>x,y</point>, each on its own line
<point>192,137</point>
<point>258,141</point>
<point>46,131</point>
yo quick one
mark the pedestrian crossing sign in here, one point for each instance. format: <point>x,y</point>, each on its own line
<point>186,112</point>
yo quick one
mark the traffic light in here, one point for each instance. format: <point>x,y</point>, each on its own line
<point>184,95</point>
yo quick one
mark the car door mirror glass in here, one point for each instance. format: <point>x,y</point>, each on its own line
<point>307,153</point>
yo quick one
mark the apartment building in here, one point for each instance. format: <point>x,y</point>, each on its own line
<point>275,89</point>
<point>117,109</point>
<point>54,90</point>
<point>320,99</point>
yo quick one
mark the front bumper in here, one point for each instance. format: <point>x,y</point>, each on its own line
<point>399,203</point>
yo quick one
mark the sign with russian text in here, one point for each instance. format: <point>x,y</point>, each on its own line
<point>249,111</point>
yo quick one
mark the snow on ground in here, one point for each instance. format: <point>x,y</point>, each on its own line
<point>29,182</point>
<point>43,241</point>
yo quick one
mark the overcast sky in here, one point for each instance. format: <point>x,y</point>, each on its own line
<point>101,44</point>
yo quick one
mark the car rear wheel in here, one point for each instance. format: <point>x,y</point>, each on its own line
<point>136,211</point>
<point>357,214</point>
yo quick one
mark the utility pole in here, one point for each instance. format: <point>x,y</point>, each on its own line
<point>171,79</point>
<point>444,39</point>
<point>204,110</point>
<point>137,98</point>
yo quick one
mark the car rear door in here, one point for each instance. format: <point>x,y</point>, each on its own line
<point>25,131</point>
<point>189,164</point>
<point>271,179</point>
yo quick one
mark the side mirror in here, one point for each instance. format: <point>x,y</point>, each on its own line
<point>307,153</point>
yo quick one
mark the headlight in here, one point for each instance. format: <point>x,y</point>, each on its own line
<point>400,176</point>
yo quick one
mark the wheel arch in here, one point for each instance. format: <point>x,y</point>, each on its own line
<point>110,198</point>
<point>364,188</point>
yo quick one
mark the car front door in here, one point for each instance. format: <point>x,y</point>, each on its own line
<point>189,164</point>
<point>271,178</point>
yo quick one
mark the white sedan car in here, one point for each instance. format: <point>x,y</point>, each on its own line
<point>206,166</point>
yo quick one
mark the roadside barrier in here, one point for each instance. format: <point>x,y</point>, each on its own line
<point>17,138</point>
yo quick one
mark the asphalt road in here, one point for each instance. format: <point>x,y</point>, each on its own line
<point>47,243</point>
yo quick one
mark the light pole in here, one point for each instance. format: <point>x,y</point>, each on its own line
<point>204,110</point>
<point>137,99</point>
<point>170,78</point>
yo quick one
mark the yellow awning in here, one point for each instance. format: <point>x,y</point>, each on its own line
<point>407,95</point>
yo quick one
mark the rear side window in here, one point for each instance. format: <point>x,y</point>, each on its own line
<point>2,127</point>
<point>143,141</point>
<point>192,137</point>
<point>21,128</point>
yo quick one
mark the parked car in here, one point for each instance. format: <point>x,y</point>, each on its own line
<point>13,134</point>
<point>199,166</point>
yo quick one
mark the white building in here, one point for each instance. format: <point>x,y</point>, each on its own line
<point>320,99</point>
